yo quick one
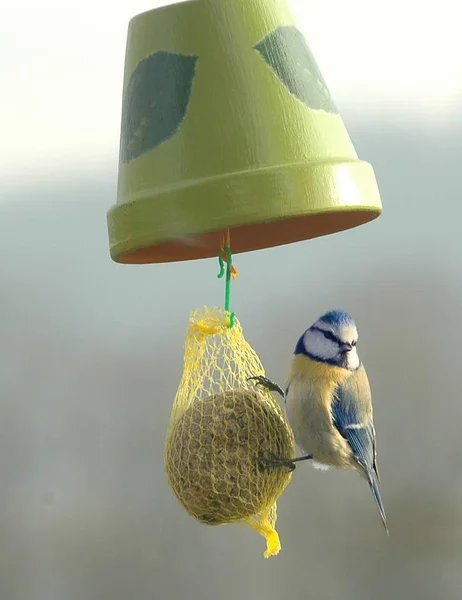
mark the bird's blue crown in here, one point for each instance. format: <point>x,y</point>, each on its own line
<point>337,318</point>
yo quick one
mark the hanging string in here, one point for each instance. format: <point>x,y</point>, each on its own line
<point>226,257</point>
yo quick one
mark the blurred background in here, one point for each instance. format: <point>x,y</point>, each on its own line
<point>91,351</point>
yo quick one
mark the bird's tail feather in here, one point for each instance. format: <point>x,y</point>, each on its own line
<point>374,485</point>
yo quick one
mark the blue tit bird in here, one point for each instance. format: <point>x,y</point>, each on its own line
<point>328,402</point>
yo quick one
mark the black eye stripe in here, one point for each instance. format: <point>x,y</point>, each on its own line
<point>328,335</point>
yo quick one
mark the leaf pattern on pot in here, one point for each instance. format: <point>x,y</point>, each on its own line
<point>155,102</point>
<point>286,51</point>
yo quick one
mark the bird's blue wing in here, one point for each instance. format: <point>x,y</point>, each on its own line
<point>352,416</point>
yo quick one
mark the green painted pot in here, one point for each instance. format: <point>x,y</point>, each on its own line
<point>227,122</point>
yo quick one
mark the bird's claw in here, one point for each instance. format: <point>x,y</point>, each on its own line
<point>261,380</point>
<point>268,463</point>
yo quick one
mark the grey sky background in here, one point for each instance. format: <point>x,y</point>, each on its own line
<point>91,355</point>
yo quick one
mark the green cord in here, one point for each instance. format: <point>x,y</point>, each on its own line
<point>222,267</point>
<point>229,264</point>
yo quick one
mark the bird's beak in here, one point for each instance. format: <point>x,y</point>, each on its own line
<point>346,348</point>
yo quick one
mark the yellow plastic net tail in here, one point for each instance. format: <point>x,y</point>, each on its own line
<point>221,425</point>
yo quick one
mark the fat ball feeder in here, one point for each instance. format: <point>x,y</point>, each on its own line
<point>229,133</point>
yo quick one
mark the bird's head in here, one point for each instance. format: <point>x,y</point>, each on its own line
<point>331,339</point>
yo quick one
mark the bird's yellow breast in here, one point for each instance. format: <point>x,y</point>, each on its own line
<point>318,380</point>
<point>309,404</point>
<point>321,373</point>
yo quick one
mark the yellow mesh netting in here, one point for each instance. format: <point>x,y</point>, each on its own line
<point>220,425</point>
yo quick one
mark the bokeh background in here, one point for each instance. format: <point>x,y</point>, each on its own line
<point>91,351</point>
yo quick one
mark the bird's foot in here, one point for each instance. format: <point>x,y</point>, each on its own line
<point>268,463</point>
<point>261,380</point>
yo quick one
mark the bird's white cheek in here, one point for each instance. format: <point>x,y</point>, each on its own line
<point>353,360</point>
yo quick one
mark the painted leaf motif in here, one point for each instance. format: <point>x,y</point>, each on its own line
<point>287,53</point>
<point>155,102</point>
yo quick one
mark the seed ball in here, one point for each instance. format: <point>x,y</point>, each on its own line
<point>212,456</point>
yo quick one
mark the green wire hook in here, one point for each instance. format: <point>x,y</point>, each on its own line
<point>229,265</point>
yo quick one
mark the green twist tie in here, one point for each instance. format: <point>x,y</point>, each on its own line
<point>229,265</point>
